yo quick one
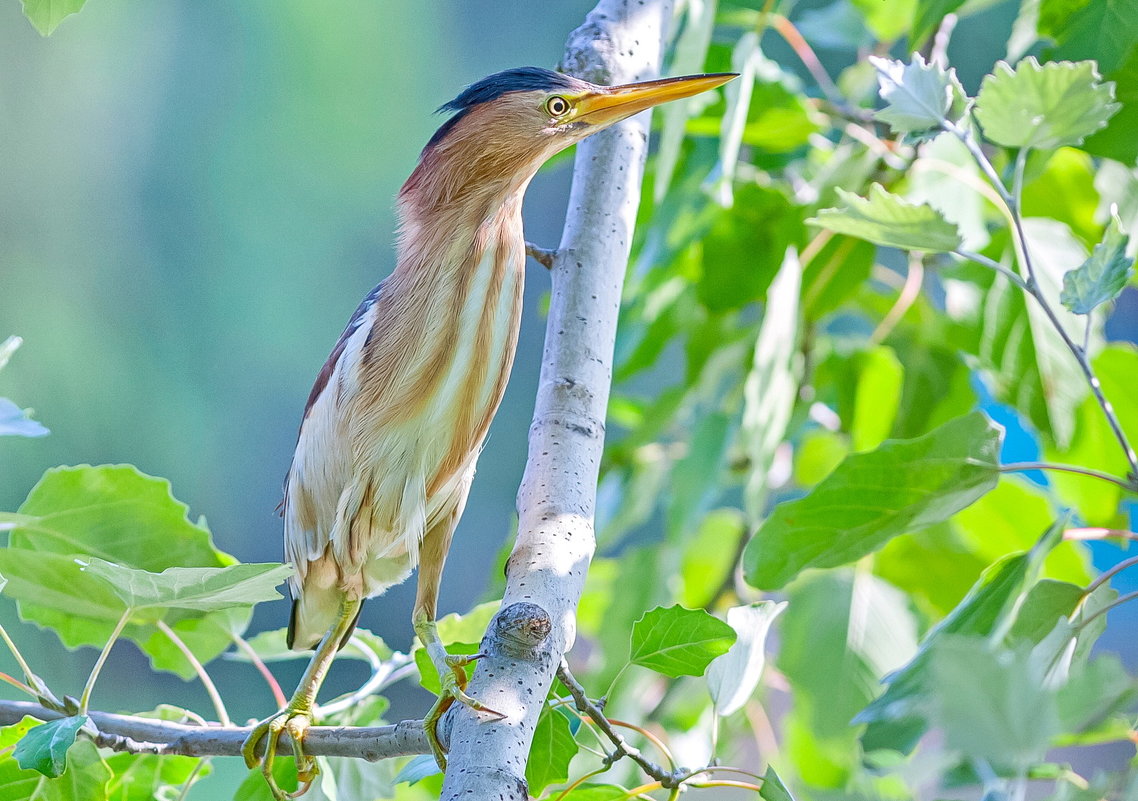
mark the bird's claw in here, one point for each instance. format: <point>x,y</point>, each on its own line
<point>452,677</point>
<point>295,722</point>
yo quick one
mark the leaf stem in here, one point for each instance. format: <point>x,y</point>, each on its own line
<point>1130,596</point>
<point>207,682</point>
<point>262,668</point>
<point>85,699</point>
<point>17,655</point>
<point>19,685</point>
<point>992,264</point>
<point>1018,467</point>
<point>1110,573</point>
<point>192,778</point>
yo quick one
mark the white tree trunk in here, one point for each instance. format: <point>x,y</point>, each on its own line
<point>620,41</point>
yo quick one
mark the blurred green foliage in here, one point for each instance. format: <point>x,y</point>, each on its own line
<point>837,262</point>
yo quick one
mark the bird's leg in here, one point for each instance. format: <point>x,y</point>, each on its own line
<point>452,677</point>
<point>296,717</point>
<point>543,256</point>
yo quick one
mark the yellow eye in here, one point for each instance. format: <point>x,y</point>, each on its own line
<point>557,106</point>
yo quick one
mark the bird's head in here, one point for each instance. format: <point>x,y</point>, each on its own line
<point>506,125</point>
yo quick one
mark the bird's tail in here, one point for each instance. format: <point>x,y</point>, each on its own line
<point>314,612</point>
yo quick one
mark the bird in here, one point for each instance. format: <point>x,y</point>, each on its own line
<point>396,418</point>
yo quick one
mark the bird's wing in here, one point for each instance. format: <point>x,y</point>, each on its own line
<point>322,464</point>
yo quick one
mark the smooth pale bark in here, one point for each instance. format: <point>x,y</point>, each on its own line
<point>620,41</point>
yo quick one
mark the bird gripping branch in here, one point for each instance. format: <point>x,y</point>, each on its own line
<point>397,416</point>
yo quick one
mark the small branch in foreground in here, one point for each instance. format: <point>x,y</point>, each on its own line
<point>138,735</point>
<point>543,256</point>
<point>666,778</point>
<point>199,668</point>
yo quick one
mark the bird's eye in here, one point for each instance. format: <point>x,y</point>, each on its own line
<point>557,106</point>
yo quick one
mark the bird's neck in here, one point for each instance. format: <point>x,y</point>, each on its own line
<point>454,203</point>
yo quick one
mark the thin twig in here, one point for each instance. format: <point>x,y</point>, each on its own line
<point>905,300</point>
<point>1130,596</point>
<point>787,30</point>
<point>666,778</point>
<point>543,256</point>
<point>192,778</point>
<point>991,264</point>
<point>85,699</point>
<point>262,668</point>
<point>199,668</point>
<point>1110,573</point>
<point>1098,533</point>
<point>1019,467</point>
<point>1013,200</point>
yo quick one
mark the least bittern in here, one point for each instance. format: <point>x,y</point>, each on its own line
<point>397,416</point>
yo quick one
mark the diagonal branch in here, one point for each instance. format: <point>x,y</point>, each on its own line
<point>620,41</point>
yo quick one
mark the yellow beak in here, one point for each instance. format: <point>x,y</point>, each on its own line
<point>614,103</point>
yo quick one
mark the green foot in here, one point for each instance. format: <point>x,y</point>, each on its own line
<point>453,679</point>
<point>295,721</point>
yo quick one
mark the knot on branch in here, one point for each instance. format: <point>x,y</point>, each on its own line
<point>522,627</point>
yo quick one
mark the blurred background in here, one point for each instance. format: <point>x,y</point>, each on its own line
<point>194,196</point>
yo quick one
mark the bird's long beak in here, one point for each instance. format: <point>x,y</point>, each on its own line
<point>614,103</point>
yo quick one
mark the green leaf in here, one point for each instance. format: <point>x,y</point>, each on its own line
<point>743,250</point>
<point>709,556</point>
<point>14,732</point>
<point>1059,103</point>
<point>918,96</point>
<point>897,717</point>
<point>11,520</point>
<point>877,397</point>
<point>887,219</point>
<point>46,15</point>
<point>1093,693</point>
<point>679,642</point>
<point>1117,140</point>
<point>145,777</point>
<point>772,788</point>
<point>733,677</point>
<point>695,482</point>
<point>991,703</point>
<point>888,19</point>
<point>201,589</point>
<point>1102,277</point>
<point>841,633</point>
<point>834,273</point>
<point>86,777</point>
<point>552,750</point>
<point>117,514</point>
<point>872,497</point>
<point>255,788</point>
<point>771,386</point>
<point>1103,30</point>
<point>44,748</point>
<point>928,18</point>
<point>1043,606</point>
